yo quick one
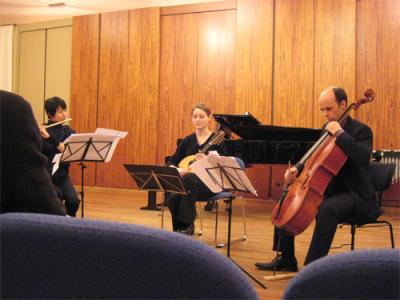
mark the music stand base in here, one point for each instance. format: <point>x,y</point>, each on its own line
<point>151,202</point>
<point>229,246</point>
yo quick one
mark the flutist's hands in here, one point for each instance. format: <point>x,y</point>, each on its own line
<point>43,132</point>
<point>290,175</point>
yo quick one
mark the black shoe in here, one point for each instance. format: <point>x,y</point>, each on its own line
<point>189,230</point>
<point>280,264</point>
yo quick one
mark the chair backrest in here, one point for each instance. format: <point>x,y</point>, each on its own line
<point>45,256</point>
<point>381,175</point>
<point>240,163</point>
<point>367,274</point>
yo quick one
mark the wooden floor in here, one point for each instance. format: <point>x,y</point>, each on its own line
<point>124,206</point>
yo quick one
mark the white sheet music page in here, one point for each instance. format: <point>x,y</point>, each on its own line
<point>209,171</point>
<point>104,141</point>
<point>200,167</point>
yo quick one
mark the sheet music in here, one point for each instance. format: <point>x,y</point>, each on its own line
<point>200,167</point>
<point>209,172</point>
<point>56,161</point>
<point>103,144</point>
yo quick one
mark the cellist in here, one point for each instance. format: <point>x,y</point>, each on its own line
<point>348,196</point>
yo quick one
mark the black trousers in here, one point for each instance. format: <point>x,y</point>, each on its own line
<point>333,211</point>
<point>66,192</point>
<point>183,207</point>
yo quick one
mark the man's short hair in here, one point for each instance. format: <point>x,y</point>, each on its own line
<point>51,105</point>
<point>340,94</point>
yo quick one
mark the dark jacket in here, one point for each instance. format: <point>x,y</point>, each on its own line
<point>356,142</point>
<point>25,183</point>
<point>189,146</point>
<point>59,133</point>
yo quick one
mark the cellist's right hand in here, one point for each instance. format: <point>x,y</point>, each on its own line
<point>290,175</point>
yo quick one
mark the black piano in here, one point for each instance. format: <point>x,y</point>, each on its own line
<point>266,144</point>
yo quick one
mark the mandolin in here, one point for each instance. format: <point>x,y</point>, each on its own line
<point>188,160</point>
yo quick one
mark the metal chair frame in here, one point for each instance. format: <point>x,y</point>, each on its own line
<point>216,199</point>
<point>376,223</point>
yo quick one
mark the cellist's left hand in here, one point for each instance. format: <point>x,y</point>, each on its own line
<point>333,128</point>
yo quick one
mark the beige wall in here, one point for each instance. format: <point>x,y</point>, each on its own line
<point>42,66</point>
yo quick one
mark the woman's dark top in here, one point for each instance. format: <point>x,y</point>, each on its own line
<point>189,146</point>
<point>25,183</point>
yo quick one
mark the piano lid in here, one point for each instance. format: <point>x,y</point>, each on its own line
<point>248,127</point>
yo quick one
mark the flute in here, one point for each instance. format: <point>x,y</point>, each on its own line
<point>58,123</point>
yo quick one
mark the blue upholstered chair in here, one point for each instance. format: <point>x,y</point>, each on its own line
<point>44,256</point>
<point>360,274</point>
<point>224,196</point>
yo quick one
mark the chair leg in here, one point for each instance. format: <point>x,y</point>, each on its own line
<point>217,245</point>
<point>391,232</point>
<point>200,213</point>
<point>244,237</point>
<point>353,234</point>
<point>162,212</point>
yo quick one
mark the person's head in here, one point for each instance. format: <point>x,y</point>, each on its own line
<point>56,109</point>
<point>201,115</point>
<point>333,102</point>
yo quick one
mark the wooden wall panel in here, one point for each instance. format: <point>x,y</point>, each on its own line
<point>335,40</point>
<point>197,65</point>
<point>112,104</point>
<point>254,46</point>
<point>378,67</point>
<point>143,84</point>
<point>293,63</point>
<point>84,79</point>
<point>215,83</point>
<point>177,80</point>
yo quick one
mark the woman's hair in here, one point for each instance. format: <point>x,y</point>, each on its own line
<point>203,107</point>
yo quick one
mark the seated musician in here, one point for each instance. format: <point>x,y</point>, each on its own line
<point>56,111</point>
<point>182,207</point>
<point>25,183</point>
<point>348,196</point>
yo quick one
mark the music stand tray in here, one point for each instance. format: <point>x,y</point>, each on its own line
<point>157,179</point>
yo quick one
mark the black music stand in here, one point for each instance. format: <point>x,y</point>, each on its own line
<point>157,179</point>
<point>230,178</point>
<point>88,148</point>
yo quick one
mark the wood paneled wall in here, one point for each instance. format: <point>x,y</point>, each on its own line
<point>254,52</point>
<point>197,65</point>
<point>143,87</point>
<point>84,83</point>
<point>269,57</point>
<point>378,67</point>
<point>334,50</point>
<point>293,63</point>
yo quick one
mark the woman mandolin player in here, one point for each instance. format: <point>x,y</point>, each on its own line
<point>182,207</point>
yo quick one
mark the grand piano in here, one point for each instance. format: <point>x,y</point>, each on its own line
<point>266,144</point>
<point>265,149</point>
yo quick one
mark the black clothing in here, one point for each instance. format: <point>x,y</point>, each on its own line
<point>25,182</point>
<point>182,207</point>
<point>57,134</point>
<point>348,197</point>
<point>189,146</point>
<point>60,178</point>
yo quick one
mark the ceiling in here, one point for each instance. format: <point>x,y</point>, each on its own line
<point>30,11</point>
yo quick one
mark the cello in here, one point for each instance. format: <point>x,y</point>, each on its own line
<point>300,201</point>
